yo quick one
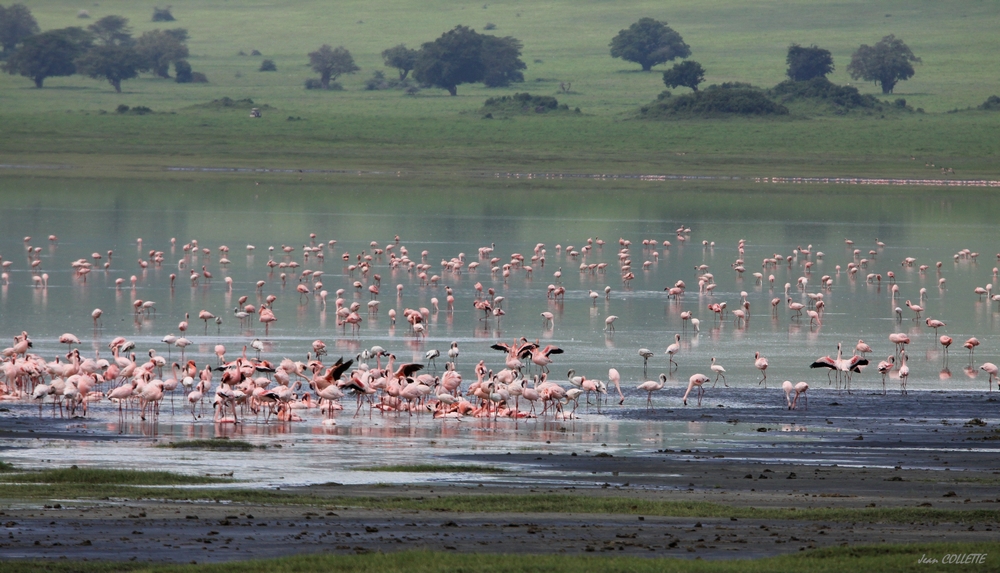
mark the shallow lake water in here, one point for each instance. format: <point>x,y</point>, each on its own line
<point>929,225</point>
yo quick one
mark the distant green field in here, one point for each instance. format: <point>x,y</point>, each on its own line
<point>564,41</point>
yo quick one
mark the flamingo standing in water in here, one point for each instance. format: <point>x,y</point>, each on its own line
<point>646,355</point>
<point>650,386</point>
<point>971,344</point>
<point>863,348</point>
<point>615,378</point>
<point>760,363</point>
<point>884,368</point>
<point>935,324</point>
<point>788,388</point>
<point>991,369</point>
<point>695,380</point>
<point>800,390</point>
<point>904,373</point>
<point>674,349</point>
<point>945,341</point>
<point>719,371</point>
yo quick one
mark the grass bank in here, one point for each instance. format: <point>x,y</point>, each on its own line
<point>883,558</point>
<point>32,486</point>
<point>74,476</point>
<point>72,122</point>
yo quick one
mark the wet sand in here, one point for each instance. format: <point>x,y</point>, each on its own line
<point>163,531</point>
<point>878,453</point>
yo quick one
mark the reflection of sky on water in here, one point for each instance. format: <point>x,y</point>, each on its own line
<point>307,452</point>
<point>93,217</point>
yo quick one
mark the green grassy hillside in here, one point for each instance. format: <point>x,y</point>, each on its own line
<point>564,41</point>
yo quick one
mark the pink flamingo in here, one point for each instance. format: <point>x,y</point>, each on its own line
<point>945,341</point>
<point>674,349</point>
<point>904,373</point>
<point>800,390</point>
<point>695,380</point>
<point>990,369</point>
<point>935,324</point>
<point>760,363</point>
<point>884,368</point>
<point>971,344</point>
<point>615,378</point>
<point>266,315</point>
<point>719,371</point>
<point>862,348</point>
<point>650,386</point>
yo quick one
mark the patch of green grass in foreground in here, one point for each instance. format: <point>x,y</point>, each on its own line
<point>434,468</point>
<point>82,476</point>
<point>213,444</point>
<point>531,503</point>
<point>6,467</point>
<point>883,558</point>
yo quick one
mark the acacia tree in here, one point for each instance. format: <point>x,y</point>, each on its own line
<point>887,62</point>
<point>51,53</point>
<point>454,58</point>
<point>808,63</point>
<point>502,62</point>
<point>158,49</point>
<point>688,74</point>
<point>112,31</point>
<point>401,58</point>
<point>649,42</point>
<point>330,63</point>
<point>112,63</point>
<point>461,56</point>
<point>16,24</point>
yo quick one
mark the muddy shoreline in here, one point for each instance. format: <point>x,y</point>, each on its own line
<point>168,531</point>
<point>896,459</point>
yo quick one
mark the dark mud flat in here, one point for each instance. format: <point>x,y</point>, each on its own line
<point>205,532</point>
<point>932,450</point>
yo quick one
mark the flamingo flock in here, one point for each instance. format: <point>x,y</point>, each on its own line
<point>252,387</point>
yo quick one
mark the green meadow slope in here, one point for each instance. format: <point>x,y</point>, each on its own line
<point>72,121</point>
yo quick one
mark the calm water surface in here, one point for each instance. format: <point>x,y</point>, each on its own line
<point>930,226</point>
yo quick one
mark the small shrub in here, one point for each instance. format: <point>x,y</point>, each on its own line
<point>268,66</point>
<point>255,53</point>
<point>718,100</point>
<point>226,103</point>
<point>900,102</point>
<point>521,103</point>
<point>241,53</point>
<point>412,90</point>
<point>182,72</point>
<point>379,81</point>
<point>992,103</point>
<point>137,110</point>
<point>199,78</point>
<point>490,26</point>
<point>83,14</point>
<point>822,91</point>
<point>163,15</point>
<point>316,84</point>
